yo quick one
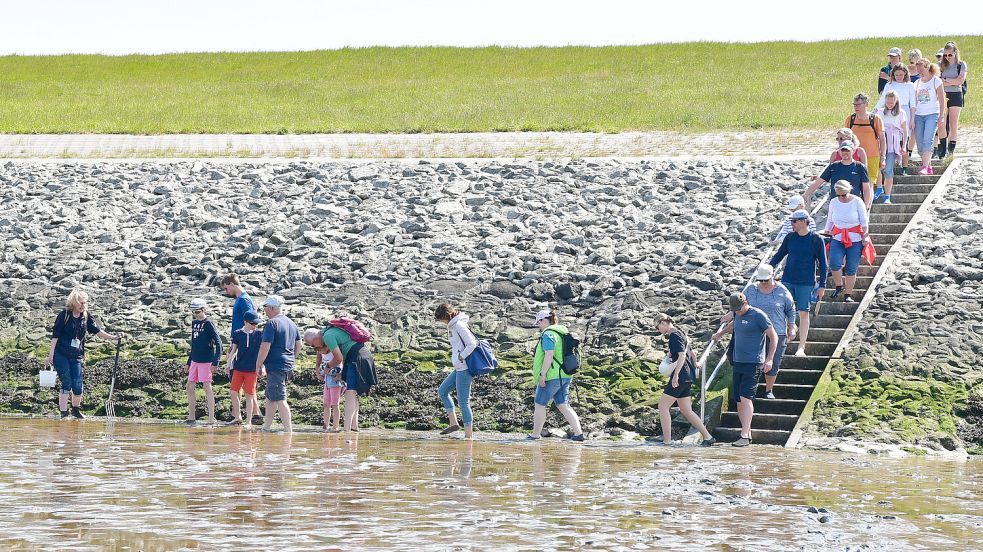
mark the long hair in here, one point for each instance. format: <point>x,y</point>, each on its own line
<point>933,69</point>
<point>950,47</point>
<point>77,298</point>
<point>897,103</point>
<point>900,67</point>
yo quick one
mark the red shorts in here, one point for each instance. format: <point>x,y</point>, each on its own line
<point>200,372</point>
<point>332,395</point>
<point>243,381</point>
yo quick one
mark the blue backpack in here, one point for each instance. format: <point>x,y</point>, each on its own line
<point>482,360</point>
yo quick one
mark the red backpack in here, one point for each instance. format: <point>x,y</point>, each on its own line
<point>355,329</point>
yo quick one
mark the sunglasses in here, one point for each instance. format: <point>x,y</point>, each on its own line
<point>949,55</point>
<point>841,195</point>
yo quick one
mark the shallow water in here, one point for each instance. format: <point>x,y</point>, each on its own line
<point>92,485</point>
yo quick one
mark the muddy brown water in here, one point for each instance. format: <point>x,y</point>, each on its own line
<point>128,486</point>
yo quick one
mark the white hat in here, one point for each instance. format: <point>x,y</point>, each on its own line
<point>940,52</point>
<point>795,202</point>
<point>274,301</point>
<point>764,272</point>
<point>894,52</point>
<point>542,315</point>
<point>197,304</point>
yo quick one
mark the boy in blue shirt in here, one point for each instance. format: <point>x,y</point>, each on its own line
<point>241,367</point>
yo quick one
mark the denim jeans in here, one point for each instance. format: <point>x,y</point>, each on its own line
<point>849,256</point>
<point>557,390</point>
<point>70,373</point>
<point>460,380</point>
<point>925,127</point>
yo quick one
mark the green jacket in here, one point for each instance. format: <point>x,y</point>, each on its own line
<point>553,372</point>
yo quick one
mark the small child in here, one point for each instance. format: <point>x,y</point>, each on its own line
<point>206,351</point>
<point>333,389</point>
<point>795,203</point>
<point>242,367</point>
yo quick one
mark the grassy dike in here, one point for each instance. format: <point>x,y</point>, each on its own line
<point>611,397</point>
<point>687,87</point>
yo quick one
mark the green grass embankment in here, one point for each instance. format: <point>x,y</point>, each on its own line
<point>689,87</point>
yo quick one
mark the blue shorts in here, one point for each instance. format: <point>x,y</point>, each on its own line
<point>802,294</point>
<point>555,390</point>
<point>276,385</point>
<point>746,376</point>
<point>776,363</point>
<point>70,373</point>
<point>848,256</point>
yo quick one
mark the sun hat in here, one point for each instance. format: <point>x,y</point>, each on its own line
<point>894,52</point>
<point>197,304</point>
<point>799,215</point>
<point>764,272</point>
<point>542,315</point>
<point>795,202</point>
<point>846,144</point>
<point>940,52</point>
<point>274,301</point>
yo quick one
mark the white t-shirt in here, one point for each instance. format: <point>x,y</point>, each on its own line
<point>899,121</point>
<point>927,97</point>
<point>846,215</point>
<point>905,92</point>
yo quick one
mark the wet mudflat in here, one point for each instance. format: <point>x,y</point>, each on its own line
<point>126,486</point>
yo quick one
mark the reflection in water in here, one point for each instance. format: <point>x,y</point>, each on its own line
<point>89,486</point>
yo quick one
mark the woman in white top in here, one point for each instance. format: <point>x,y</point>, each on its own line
<point>463,343</point>
<point>847,223</point>
<point>953,74</point>
<point>929,105</point>
<point>895,135</point>
<point>902,85</point>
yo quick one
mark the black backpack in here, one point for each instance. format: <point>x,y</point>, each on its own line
<point>571,354</point>
<point>870,123</point>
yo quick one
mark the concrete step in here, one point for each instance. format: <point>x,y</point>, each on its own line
<point>836,307</point>
<point>788,390</point>
<point>908,198</point>
<point>804,363</point>
<point>867,271</point>
<point>758,436</point>
<point>883,239</point>
<point>887,228</point>
<point>863,282</point>
<point>908,188</point>
<point>798,377</point>
<point>782,422</point>
<point>877,217</point>
<point>895,208</point>
<point>830,335</point>
<point>916,179</point>
<point>831,321</point>
<point>813,348</point>
<point>779,406</point>
<point>882,249</point>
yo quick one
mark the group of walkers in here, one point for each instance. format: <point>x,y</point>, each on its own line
<point>919,105</point>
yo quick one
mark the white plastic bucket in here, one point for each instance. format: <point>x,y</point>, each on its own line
<point>47,378</point>
<point>666,367</point>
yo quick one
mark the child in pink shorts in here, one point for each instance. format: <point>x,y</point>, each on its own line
<point>333,388</point>
<point>206,350</point>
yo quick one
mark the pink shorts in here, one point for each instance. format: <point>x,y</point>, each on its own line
<point>332,395</point>
<point>200,372</point>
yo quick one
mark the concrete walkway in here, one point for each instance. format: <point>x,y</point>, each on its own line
<point>485,144</point>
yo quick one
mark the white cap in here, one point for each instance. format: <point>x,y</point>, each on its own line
<point>197,304</point>
<point>542,315</point>
<point>795,202</point>
<point>940,52</point>
<point>274,301</point>
<point>894,52</point>
<point>764,272</point>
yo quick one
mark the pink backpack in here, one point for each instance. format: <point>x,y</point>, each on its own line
<point>355,329</point>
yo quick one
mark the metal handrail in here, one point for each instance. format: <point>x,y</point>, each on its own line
<point>704,382</point>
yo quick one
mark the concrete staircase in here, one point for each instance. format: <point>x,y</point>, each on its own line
<point>775,420</point>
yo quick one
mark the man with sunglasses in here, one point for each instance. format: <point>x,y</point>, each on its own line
<point>806,254</point>
<point>844,169</point>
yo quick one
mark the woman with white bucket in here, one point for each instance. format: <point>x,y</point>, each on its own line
<point>681,371</point>
<point>67,354</point>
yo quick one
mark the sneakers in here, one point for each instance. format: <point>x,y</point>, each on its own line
<point>661,443</point>
<point>708,442</point>
<point>887,200</point>
<point>878,193</point>
<point>931,170</point>
<point>836,292</point>
<point>800,353</point>
<point>64,414</point>
<point>770,395</point>
<point>578,438</point>
<point>77,413</point>
<point>531,437</point>
<point>848,299</point>
<point>924,170</point>
<point>904,171</point>
<point>450,429</point>
<point>742,442</point>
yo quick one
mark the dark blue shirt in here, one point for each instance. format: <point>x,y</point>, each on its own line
<point>678,345</point>
<point>805,255</point>
<point>247,349</point>
<point>750,337</point>
<point>854,173</point>
<point>69,327</point>
<point>282,335</point>
<point>242,305</point>
<point>205,343</point>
